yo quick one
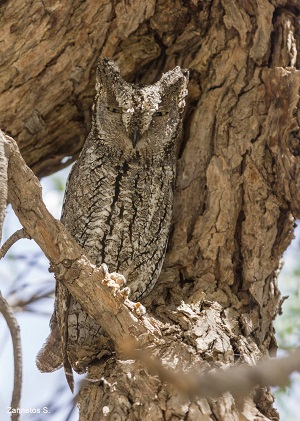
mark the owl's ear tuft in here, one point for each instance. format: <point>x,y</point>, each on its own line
<point>173,86</point>
<point>107,73</point>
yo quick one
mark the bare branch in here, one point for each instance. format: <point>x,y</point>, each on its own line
<point>16,340</point>
<point>3,181</point>
<point>18,235</point>
<point>238,380</point>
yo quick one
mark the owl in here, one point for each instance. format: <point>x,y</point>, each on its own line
<point>118,201</point>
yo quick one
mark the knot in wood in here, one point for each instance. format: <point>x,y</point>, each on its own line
<point>51,268</point>
<point>67,269</point>
<point>294,142</point>
<point>74,272</point>
<point>67,263</point>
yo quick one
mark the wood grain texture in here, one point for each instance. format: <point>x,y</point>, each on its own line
<point>46,98</point>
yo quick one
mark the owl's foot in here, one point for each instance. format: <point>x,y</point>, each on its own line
<point>114,281</point>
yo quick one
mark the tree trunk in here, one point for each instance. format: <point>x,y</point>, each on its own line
<point>238,172</point>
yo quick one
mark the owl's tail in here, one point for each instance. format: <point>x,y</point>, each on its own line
<point>51,357</point>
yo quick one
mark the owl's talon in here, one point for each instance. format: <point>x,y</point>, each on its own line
<point>125,292</point>
<point>104,269</point>
<point>114,281</point>
<point>139,309</point>
<point>118,278</point>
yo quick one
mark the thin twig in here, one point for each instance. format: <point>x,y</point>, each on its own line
<point>3,181</point>
<point>16,340</point>
<point>18,235</point>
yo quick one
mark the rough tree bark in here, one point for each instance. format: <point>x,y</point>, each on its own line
<point>238,171</point>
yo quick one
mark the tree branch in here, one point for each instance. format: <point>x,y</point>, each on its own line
<point>238,380</point>
<point>16,340</point>
<point>16,236</point>
<point>3,184</point>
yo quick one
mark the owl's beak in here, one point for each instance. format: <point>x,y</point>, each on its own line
<point>135,136</point>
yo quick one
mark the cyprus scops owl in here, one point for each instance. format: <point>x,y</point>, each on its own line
<point>118,201</point>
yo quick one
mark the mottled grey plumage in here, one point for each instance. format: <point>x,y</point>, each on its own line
<point>119,199</point>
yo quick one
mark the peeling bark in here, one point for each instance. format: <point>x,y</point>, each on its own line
<point>238,171</point>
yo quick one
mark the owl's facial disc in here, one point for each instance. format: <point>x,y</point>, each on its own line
<point>136,114</point>
<point>129,120</point>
